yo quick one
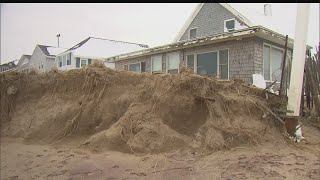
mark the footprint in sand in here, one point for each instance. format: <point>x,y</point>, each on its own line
<point>13,177</point>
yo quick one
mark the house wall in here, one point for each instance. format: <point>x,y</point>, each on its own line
<point>73,61</point>
<point>66,67</point>
<point>4,67</point>
<point>36,58</point>
<point>49,64</point>
<point>23,64</point>
<point>258,57</point>
<point>245,57</point>
<point>39,57</point>
<point>147,59</point>
<point>241,54</point>
<point>209,20</point>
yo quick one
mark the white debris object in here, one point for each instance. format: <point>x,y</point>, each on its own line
<point>258,81</point>
<point>298,134</point>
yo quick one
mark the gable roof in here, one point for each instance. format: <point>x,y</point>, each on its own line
<point>51,50</point>
<point>99,48</point>
<point>248,17</point>
<point>23,57</point>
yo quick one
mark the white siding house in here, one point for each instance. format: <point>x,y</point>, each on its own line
<point>23,64</point>
<point>93,48</point>
<point>43,57</point>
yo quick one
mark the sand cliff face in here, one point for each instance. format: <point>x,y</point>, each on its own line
<point>102,109</point>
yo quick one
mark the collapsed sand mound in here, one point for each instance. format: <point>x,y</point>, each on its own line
<point>102,109</point>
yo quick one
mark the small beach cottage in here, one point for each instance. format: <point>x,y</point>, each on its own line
<point>91,49</point>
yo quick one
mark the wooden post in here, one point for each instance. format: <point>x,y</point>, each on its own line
<point>283,67</point>
<point>298,61</point>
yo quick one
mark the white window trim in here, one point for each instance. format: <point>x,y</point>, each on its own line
<point>152,60</point>
<point>83,59</point>
<point>134,63</point>
<point>190,30</point>
<point>168,60</point>
<point>275,47</point>
<point>225,22</point>
<point>195,63</point>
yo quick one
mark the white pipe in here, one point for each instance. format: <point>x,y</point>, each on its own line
<point>298,61</point>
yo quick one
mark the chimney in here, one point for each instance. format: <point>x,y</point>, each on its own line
<point>267,10</point>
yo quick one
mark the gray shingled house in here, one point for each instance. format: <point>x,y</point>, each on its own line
<point>220,41</point>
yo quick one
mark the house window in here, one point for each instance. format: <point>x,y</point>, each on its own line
<point>143,66</point>
<point>77,62</point>
<point>64,60</point>
<point>223,64</point>
<point>207,63</point>
<point>172,63</point>
<point>193,33</point>
<point>59,61</point>
<point>156,64</point>
<point>84,62</point>
<point>69,59</point>
<point>211,63</point>
<point>229,25</point>
<point>125,67</point>
<point>190,61</point>
<point>41,64</point>
<point>272,58</point>
<point>135,67</point>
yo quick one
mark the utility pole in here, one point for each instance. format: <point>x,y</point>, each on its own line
<point>58,36</point>
<point>298,61</point>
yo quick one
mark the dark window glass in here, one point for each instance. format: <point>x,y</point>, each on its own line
<point>193,33</point>
<point>78,62</point>
<point>143,66</point>
<point>230,25</point>
<point>223,63</point>
<point>190,61</point>
<point>207,63</point>
<point>134,67</point>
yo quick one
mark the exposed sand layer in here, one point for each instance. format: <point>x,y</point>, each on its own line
<point>146,119</point>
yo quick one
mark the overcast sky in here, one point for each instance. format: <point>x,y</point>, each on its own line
<point>25,25</point>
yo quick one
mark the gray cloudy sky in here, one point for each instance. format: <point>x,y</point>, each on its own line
<point>25,25</point>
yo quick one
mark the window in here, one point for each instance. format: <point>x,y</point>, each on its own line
<point>143,66</point>
<point>272,58</point>
<point>77,62</point>
<point>156,64</point>
<point>192,33</point>
<point>59,61</point>
<point>69,59</point>
<point>135,67</point>
<point>207,63</point>
<point>223,64</point>
<point>229,25</point>
<point>211,63</point>
<point>190,61</point>
<point>84,62</point>
<point>41,64</point>
<point>64,60</point>
<point>125,67</point>
<point>172,63</point>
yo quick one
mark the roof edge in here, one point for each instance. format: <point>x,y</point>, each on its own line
<point>188,22</point>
